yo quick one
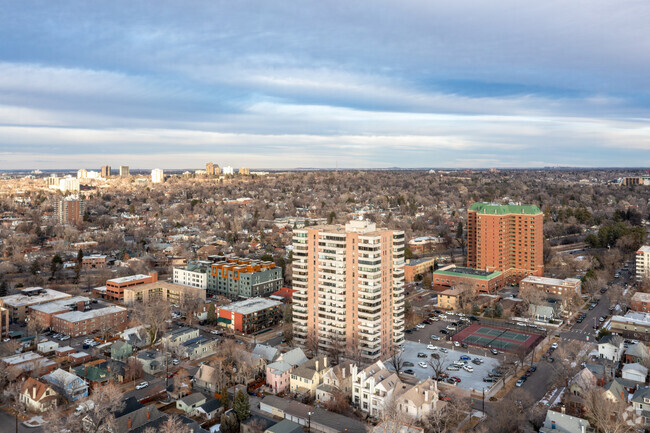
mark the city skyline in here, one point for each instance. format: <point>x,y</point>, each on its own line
<point>324,85</point>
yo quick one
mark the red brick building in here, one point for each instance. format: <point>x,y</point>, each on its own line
<point>115,287</point>
<point>554,286</point>
<point>43,313</point>
<point>640,302</point>
<point>251,315</point>
<point>94,261</point>
<point>77,323</point>
<point>506,238</point>
<point>456,276</point>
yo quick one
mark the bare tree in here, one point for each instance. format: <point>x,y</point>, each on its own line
<point>607,416</point>
<point>107,401</point>
<point>448,417</point>
<point>153,316</point>
<point>396,360</point>
<point>437,364</point>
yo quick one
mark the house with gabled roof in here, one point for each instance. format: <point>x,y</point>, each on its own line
<point>306,378</point>
<point>373,387</point>
<point>610,347</point>
<point>558,422</point>
<point>278,373</point>
<point>37,396</point>
<point>616,391</point>
<point>420,400</point>
<point>634,372</point>
<point>636,353</point>
<point>67,384</point>
<point>337,378</point>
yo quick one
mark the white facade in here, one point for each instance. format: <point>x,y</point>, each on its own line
<point>69,184</point>
<point>373,388</point>
<point>611,348</point>
<point>190,278</point>
<point>82,174</point>
<point>228,170</point>
<point>643,263</point>
<point>157,175</point>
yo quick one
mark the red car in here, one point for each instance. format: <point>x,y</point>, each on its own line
<point>456,378</point>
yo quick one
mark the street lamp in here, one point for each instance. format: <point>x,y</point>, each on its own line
<point>309,414</point>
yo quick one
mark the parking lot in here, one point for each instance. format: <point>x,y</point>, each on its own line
<point>473,380</point>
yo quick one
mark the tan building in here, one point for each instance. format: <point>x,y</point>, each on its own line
<point>106,171</point>
<point>94,261</point>
<point>116,286</point>
<point>77,323</point>
<point>18,305</point>
<point>553,286</point>
<point>349,283</point>
<point>415,267</point>
<point>506,238</point>
<point>173,293</point>
<point>244,171</point>
<point>450,298</point>
<point>212,169</point>
<point>643,263</point>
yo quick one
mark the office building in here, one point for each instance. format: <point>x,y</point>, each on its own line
<point>106,171</point>
<point>69,210</point>
<point>124,170</point>
<point>506,238</point>
<point>251,315</point>
<point>175,294</point>
<point>643,263</point>
<point>157,175</point>
<point>82,174</point>
<point>237,278</point>
<point>553,286</point>
<point>349,282</point>
<point>228,170</point>
<point>115,287</point>
<point>18,305</point>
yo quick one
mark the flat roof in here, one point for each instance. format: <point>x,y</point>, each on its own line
<point>633,317</point>
<point>641,297</point>
<point>644,249</point>
<point>414,262</point>
<point>547,280</point>
<point>20,358</point>
<point>128,279</point>
<point>23,300</point>
<point>78,316</point>
<point>250,305</point>
<point>95,256</point>
<point>61,304</point>
<point>467,272</point>
<point>504,209</point>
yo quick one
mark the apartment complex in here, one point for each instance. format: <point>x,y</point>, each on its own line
<point>640,302</point>
<point>243,278</point>
<point>643,263</point>
<point>115,287</point>
<point>251,315</point>
<point>124,170</point>
<point>175,294</point>
<point>554,286</point>
<point>106,171</point>
<point>69,210</point>
<point>506,238</point>
<point>212,169</point>
<point>76,323</point>
<point>18,305</point>
<point>194,275</point>
<point>349,283</point>
<point>425,244</point>
<point>476,279</point>
<point>43,313</point>
<point>93,261</point>
<point>157,175</point>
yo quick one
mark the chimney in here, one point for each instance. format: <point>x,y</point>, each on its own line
<point>128,423</point>
<point>563,410</point>
<point>148,414</point>
<point>317,365</point>
<point>325,362</point>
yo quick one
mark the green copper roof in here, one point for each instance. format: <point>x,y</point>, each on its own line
<point>505,209</point>
<point>468,272</point>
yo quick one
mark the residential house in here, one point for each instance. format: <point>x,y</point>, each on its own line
<point>285,426</point>
<point>264,355</point>
<point>635,372</point>
<point>306,378</point>
<point>256,423</point>
<point>211,409</point>
<point>636,353</point>
<point>557,422</point>
<point>373,387</point>
<point>616,391</point>
<point>179,336</point>
<point>278,373</point>
<point>578,386</point>
<point>207,378</point>
<point>37,396</point>
<point>94,375</point>
<point>197,348</point>
<point>610,347</point>
<point>153,361</point>
<point>420,401</point>
<point>46,347</point>
<point>543,312</point>
<point>121,350</point>
<point>641,403</point>
<point>335,379</point>
<point>190,403</point>
<point>67,384</point>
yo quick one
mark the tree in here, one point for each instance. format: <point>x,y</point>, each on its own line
<point>223,397</point>
<point>34,267</point>
<point>108,400</point>
<point>339,403</point>
<point>229,423</point>
<point>448,418</point>
<point>4,288</point>
<point>437,364</point>
<point>153,316</point>
<point>55,265</point>
<point>133,370</point>
<point>605,415</point>
<point>331,217</point>
<point>212,314</point>
<point>396,360</point>
<point>241,406</point>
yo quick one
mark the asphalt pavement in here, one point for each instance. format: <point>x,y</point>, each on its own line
<point>8,425</point>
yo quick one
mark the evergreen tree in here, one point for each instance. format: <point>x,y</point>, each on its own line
<point>241,406</point>
<point>229,424</point>
<point>212,314</point>
<point>4,288</point>
<point>225,402</point>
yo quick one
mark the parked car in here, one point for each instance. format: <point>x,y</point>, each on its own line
<point>494,352</point>
<point>554,346</point>
<point>408,364</point>
<point>451,327</point>
<point>422,364</point>
<point>420,326</point>
<point>521,381</point>
<point>456,344</point>
<point>465,357</point>
<point>468,368</point>
<point>444,331</point>
<point>65,337</point>
<point>409,371</point>
<point>477,361</point>
<point>453,368</point>
<point>434,337</point>
<point>489,379</point>
<point>431,347</point>
<point>456,379</point>
<point>142,385</point>
<point>444,350</point>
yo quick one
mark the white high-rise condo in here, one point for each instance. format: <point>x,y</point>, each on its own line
<point>350,289</point>
<point>157,175</point>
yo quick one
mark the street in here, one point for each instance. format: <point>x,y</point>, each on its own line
<point>8,425</point>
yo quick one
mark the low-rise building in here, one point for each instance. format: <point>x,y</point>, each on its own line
<point>28,362</point>
<point>278,373</point>
<point>116,286</point>
<point>633,324</point>
<point>450,299</point>
<point>251,315</point>
<point>175,294</point>
<point>469,278</point>
<point>43,313</point>
<point>67,384</point>
<point>190,403</point>
<point>610,347</point>
<point>197,348</point>
<point>121,350</point>
<point>557,422</point>
<point>634,372</point>
<point>18,305</point>
<point>93,261</point>
<point>553,286</point>
<point>415,267</point>
<point>193,275</point>
<point>640,302</point>
<point>153,361</point>
<point>419,401</point>
<point>179,336</point>
<point>373,387</point>
<point>77,323</point>
<point>306,378</point>
<point>425,244</point>
<point>336,379</point>
<point>37,396</point>
<point>207,378</point>
<point>636,353</point>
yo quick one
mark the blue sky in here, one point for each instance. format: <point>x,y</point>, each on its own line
<point>290,84</point>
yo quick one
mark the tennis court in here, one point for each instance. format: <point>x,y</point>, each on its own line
<point>498,338</point>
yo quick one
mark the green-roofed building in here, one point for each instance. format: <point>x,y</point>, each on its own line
<point>507,238</point>
<point>456,276</point>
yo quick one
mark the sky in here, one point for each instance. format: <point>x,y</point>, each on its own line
<point>324,84</point>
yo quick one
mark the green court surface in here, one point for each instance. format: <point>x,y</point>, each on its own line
<point>511,335</point>
<point>489,341</point>
<point>488,331</point>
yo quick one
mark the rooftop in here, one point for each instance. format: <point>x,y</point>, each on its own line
<point>467,272</point>
<point>641,297</point>
<point>20,358</point>
<point>414,262</point>
<point>547,280</point>
<point>77,316</point>
<point>22,299</point>
<point>504,209</point>
<point>60,305</point>
<point>128,279</point>
<point>633,317</point>
<point>644,249</point>
<point>251,305</point>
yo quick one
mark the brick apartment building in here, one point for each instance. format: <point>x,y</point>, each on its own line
<point>455,276</point>
<point>553,286</point>
<point>425,244</point>
<point>640,302</point>
<point>77,323</point>
<point>506,238</point>
<point>4,323</point>
<point>115,287</point>
<point>251,315</point>
<point>244,278</point>
<point>173,293</point>
<point>69,210</point>
<point>43,313</point>
<point>415,267</point>
<point>18,305</point>
<point>94,261</point>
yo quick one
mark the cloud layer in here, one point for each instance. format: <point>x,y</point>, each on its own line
<point>323,84</point>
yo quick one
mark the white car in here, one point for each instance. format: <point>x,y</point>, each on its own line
<point>451,327</point>
<point>434,337</point>
<point>215,332</point>
<point>453,368</point>
<point>456,344</point>
<point>468,368</point>
<point>422,364</point>
<point>459,363</point>
<point>432,347</point>
<point>65,337</point>
<point>554,346</point>
<point>142,385</point>
<point>419,326</point>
